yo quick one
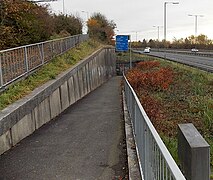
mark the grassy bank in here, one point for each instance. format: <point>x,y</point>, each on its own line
<point>47,72</point>
<point>172,94</point>
<point>124,57</point>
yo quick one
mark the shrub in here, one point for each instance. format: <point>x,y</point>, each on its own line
<point>147,65</point>
<point>157,78</point>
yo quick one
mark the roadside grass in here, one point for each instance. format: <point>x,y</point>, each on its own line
<point>193,91</point>
<point>172,144</point>
<point>47,72</point>
<point>125,57</point>
<point>189,99</point>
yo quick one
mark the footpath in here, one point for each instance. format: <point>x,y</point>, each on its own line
<point>85,142</point>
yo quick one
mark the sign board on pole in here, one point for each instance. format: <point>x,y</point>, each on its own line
<point>122,42</point>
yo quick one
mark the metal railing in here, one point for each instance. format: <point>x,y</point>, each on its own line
<point>18,62</point>
<point>187,52</point>
<point>178,51</point>
<point>155,161</point>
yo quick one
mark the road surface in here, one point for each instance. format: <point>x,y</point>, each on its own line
<point>204,63</point>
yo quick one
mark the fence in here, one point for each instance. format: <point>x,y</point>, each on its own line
<point>154,159</point>
<point>17,62</point>
<point>23,117</point>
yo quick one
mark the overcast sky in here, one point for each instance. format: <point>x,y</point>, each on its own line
<point>140,16</point>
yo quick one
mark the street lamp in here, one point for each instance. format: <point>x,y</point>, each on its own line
<point>63,7</point>
<point>165,3</point>
<point>136,37</point>
<point>195,21</point>
<point>158,27</point>
<point>86,13</point>
<point>86,20</point>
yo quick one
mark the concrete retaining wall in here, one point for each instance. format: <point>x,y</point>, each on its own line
<point>23,117</point>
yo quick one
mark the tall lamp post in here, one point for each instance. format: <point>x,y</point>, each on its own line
<point>165,3</point>
<point>86,20</point>
<point>196,16</point>
<point>136,37</point>
<point>63,7</point>
<point>86,13</point>
<point>158,27</point>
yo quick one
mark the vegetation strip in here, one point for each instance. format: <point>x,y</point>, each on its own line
<point>47,72</point>
<point>171,94</point>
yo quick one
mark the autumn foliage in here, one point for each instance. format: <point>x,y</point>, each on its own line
<point>100,28</point>
<point>22,22</point>
<point>201,42</point>
<point>150,76</point>
<point>172,94</point>
<point>25,22</point>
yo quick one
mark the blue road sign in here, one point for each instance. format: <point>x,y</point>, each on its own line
<point>122,43</point>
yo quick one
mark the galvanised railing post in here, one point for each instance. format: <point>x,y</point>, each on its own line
<point>160,169</point>
<point>1,76</point>
<point>42,52</point>
<point>68,43</point>
<point>145,153</point>
<point>157,162</point>
<point>49,52</point>
<point>135,119</point>
<point>148,153</point>
<point>26,59</point>
<point>52,49</point>
<point>166,171</point>
<point>61,42</point>
<point>65,44</point>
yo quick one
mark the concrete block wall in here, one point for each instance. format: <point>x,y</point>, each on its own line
<point>23,117</point>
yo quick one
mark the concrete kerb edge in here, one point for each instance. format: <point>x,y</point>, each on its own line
<point>133,164</point>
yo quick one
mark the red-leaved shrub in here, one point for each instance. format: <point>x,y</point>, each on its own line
<point>147,65</point>
<point>157,78</point>
<point>146,78</point>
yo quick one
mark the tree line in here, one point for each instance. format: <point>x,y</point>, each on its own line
<point>26,22</point>
<point>200,42</point>
<point>100,28</point>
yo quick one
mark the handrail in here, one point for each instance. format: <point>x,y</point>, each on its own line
<point>155,160</point>
<point>20,61</point>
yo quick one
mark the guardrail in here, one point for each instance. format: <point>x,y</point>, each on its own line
<point>154,159</point>
<point>184,52</point>
<point>205,54</point>
<point>18,62</point>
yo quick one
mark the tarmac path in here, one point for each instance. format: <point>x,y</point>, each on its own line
<point>85,142</point>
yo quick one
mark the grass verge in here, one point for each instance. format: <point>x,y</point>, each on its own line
<point>47,72</point>
<point>187,98</point>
